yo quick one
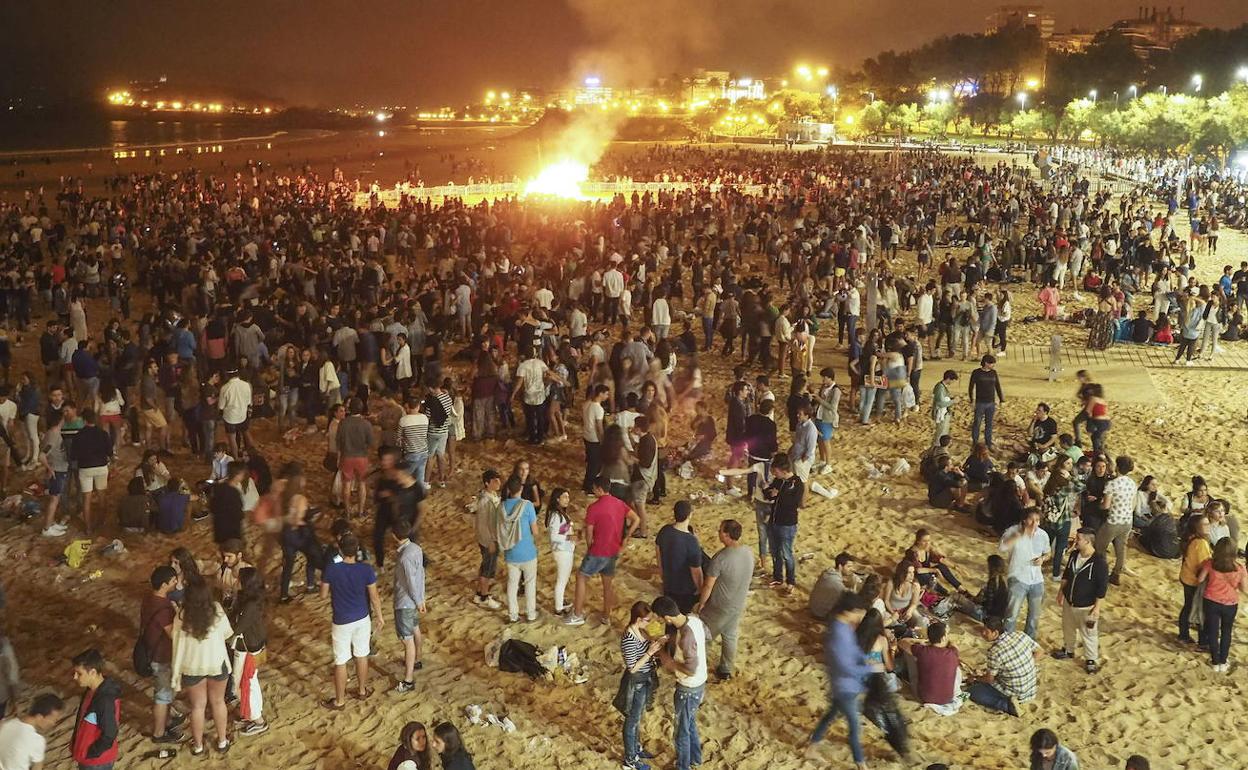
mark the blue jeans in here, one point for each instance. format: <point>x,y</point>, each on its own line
<point>760,518</point>
<point>638,699</point>
<point>847,704</point>
<point>866,400</point>
<point>895,395</point>
<point>686,701</point>
<point>983,413</point>
<point>783,565</point>
<point>991,698</point>
<point>708,332</point>
<point>1033,593</point>
<point>1219,619</point>
<point>1058,535</point>
<point>416,465</point>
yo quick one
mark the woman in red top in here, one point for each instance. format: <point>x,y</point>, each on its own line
<point>1224,580</point>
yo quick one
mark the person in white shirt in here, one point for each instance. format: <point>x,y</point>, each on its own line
<point>660,316</point>
<point>544,297</point>
<point>1118,502</point>
<point>578,324</point>
<point>1027,547</point>
<point>22,742</point>
<point>593,427</point>
<point>531,377</point>
<point>235,404</point>
<point>612,288</point>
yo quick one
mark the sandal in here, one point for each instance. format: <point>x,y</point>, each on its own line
<point>364,695</point>
<point>332,705</point>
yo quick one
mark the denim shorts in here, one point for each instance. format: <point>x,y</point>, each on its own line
<point>437,443</point>
<point>162,681</point>
<point>598,565</point>
<point>406,621</point>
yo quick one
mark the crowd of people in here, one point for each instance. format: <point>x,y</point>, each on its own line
<point>270,306</point>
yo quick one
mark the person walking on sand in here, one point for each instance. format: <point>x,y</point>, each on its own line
<point>609,523</point>
<point>848,670</point>
<point>679,557</point>
<point>351,587</point>
<point>725,591</point>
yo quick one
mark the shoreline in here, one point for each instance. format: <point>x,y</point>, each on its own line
<point>284,135</point>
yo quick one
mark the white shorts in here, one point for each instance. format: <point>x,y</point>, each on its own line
<point>351,640</point>
<point>93,479</point>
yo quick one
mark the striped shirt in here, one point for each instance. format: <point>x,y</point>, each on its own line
<point>414,434</point>
<point>448,404</point>
<point>634,649</point>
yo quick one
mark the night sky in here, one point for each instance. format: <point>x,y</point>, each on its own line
<point>417,52</point>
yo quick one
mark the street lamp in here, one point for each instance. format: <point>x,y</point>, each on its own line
<point>1197,82</point>
<point>1242,73</point>
<point>871,96</point>
<point>1165,90</point>
<point>1022,100</point>
<point>1131,89</point>
<point>1092,95</point>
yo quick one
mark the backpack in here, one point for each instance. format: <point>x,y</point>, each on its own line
<point>437,412</point>
<point>141,656</point>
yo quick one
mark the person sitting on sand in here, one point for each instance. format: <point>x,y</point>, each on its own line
<point>947,487</point>
<point>1010,678</point>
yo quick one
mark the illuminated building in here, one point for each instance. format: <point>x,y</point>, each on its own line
<point>1024,16</point>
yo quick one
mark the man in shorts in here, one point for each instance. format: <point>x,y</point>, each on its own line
<point>409,599</point>
<point>156,630</point>
<point>91,448</point>
<point>609,523</point>
<point>150,414</point>
<point>486,514</point>
<point>351,587</point>
<point>235,404</point>
<point>355,441</point>
<point>56,463</point>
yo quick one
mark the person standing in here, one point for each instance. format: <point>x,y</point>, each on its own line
<point>1224,580</point>
<point>22,742</point>
<point>725,591</point>
<point>247,615</point>
<point>638,682</point>
<point>1084,584</point>
<point>409,599</point>
<point>1027,546</point>
<point>785,494</point>
<point>91,450</point>
<point>354,442</point>
<point>687,660</point>
<point>517,539</point>
<point>351,587</point>
<point>984,390</point>
<point>942,405</point>
<point>593,418</point>
<point>848,670</point>
<point>609,523</point>
<point>156,631</point>
<point>201,665</point>
<point>485,519</point>
<point>679,557</point>
<point>1118,501</point>
<point>414,439</point>
<point>234,401</point>
<point>94,742</point>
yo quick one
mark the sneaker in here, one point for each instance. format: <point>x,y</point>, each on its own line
<point>491,603</point>
<point>171,736</point>
<point>1090,666</point>
<point>255,728</point>
<point>175,720</point>
<point>405,687</point>
<point>56,530</point>
<point>574,620</point>
<point>1062,655</point>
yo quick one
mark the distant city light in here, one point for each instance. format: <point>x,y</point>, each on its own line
<point>593,81</point>
<point>1033,83</point>
<point>381,117</point>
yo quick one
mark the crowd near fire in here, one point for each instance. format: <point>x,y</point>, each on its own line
<point>885,416</point>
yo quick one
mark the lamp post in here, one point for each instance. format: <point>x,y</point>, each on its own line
<point>1022,100</point>
<point>1165,90</point>
<point>1131,89</point>
<point>1197,82</point>
<point>1092,95</point>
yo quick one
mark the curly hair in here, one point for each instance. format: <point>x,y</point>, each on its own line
<point>199,610</point>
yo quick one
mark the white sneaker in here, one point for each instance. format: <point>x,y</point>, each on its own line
<point>489,602</point>
<point>56,530</point>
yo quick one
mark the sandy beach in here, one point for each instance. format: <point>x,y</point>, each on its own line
<point>1151,696</point>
